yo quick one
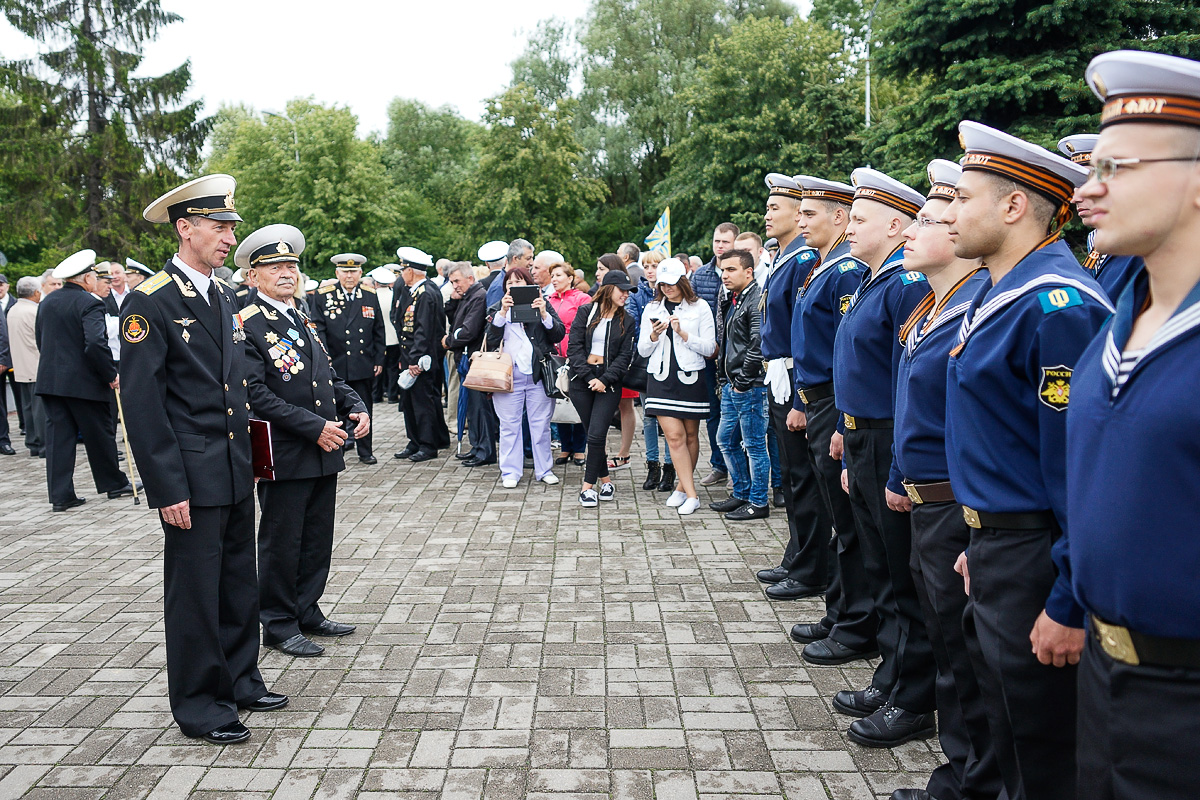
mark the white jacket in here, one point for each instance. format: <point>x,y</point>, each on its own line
<point>696,320</point>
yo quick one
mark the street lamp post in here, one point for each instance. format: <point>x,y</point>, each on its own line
<point>870,21</point>
<point>296,139</point>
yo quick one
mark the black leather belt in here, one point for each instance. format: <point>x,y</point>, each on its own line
<point>929,492</point>
<point>858,423</point>
<point>1131,647</point>
<point>1028,521</point>
<point>812,394</point>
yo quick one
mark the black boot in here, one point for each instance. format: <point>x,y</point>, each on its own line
<point>653,475</point>
<point>667,484</point>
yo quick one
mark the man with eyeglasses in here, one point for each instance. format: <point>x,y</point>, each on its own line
<point>1132,465</point>
<point>1007,393</point>
<point>294,386</point>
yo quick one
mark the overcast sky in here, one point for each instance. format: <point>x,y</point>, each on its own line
<point>356,53</point>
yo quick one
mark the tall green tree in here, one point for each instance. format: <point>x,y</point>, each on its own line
<point>769,97</point>
<point>118,139</point>
<point>1017,65</point>
<point>549,63</point>
<point>530,181</point>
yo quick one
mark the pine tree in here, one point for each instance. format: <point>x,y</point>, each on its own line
<point>122,139</point>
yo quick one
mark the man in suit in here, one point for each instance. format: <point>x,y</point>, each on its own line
<point>120,289</point>
<point>293,386</point>
<point>22,341</point>
<point>76,377</point>
<point>185,383</point>
<point>420,320</point>
<point>350,323</point>
<point>135,273</point>
<point>466,337</point>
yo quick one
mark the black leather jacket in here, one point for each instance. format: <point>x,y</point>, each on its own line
<point>741,361</point>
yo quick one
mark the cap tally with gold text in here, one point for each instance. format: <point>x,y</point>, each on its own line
<point>1137,86</point>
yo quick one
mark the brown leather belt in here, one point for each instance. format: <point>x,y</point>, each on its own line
<point>1028,521</point>
<point>1133,648</point>
<point>939,492</point>
<point>812,394</point>
<point>858,423</point>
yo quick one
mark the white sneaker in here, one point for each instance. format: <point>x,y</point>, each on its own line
<point>676,499</point>
<point>689,505</point>
<point>587,498</point>
<point>607,490</point>
<point>549,479</point>
<point>510,483</point>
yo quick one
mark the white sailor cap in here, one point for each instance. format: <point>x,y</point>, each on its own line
<point>943,177</point>
<point>824,190</point>
<point>493,251</point>
<point>237,276</point>
<point>1137,86</point>
<point>1079,147</point>
<point>269,245</point>
<point>780,185</point>
<point>75,264</point>
<point>1036,167</point>
<point>414,258</point>
<point>104,270</point>
<point>328,282</point>
<point>382,275</point>
<point>311,285</point>
<point>210,196</point>
<point>348,261</point>
<point>871,184</point>
<point>138,266</point>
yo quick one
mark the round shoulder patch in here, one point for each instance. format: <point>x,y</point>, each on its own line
<point>134,328</point>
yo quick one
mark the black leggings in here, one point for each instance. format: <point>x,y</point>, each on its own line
<point>596,410</point>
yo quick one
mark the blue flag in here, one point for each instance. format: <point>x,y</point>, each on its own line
<point>660,238</point>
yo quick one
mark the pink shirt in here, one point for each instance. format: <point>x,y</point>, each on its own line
<point>566,305</point>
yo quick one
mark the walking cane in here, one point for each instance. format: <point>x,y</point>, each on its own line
<point>137,501</point>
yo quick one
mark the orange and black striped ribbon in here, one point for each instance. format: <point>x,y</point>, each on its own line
<point>1151,108</point>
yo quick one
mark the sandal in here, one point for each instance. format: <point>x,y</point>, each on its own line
<point>579,462</point>
<point>618,462</point>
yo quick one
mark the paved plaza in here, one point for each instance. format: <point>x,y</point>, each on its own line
<point>510,644</point>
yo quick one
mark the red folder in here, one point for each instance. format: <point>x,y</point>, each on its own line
<point>262,453</point>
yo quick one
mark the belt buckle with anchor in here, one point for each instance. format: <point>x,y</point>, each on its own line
<point>1116,641</point>
<point>911,490</point>
<point>972,517</point>
<point>850,424</point>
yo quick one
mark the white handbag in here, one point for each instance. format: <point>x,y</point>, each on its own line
<point>565,413</point>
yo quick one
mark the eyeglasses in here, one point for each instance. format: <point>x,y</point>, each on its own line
<point>925,222</point>
<point>1103,169</point>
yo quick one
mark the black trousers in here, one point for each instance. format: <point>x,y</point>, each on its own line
<point>480,414</point>
<point>939,535</point>
<point>1030,706</point>
<point>849,609</point>
<point>422,407</point>
<point>363,388</point>
<point>295,546</point>
<point>1137,730</point>
<point>908,670</point>
<point>385,384</point>
<point>11,378</point>
<point>211,604</point>
<point>807,555</point>
<point>596,410</point>
<point>35,416</point>
<point>66,417</point>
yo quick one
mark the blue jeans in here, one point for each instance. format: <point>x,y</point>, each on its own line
<point>713,423</point>
<point>650,432</point>
<point>746,413</point>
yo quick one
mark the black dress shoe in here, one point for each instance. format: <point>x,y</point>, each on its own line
<point>891,726</point>
<point>422,455</point>
<point>777,499</point>
<point>808,632</point>
<point>330,628</point>
<point>730,503</point>
<point>298,646</point>
<point>78,501</point>
<point>791,589</point>
<point>268,702</point>
<point>478,462</point>
<point>912,794</point>
<point>407,452</point>
<point>862,703</point>
<point>465,456</point>
<point>829,652</point>
<point>772,575</point>
<point>7,450</point>
<point>233,733</point>
<point>749,511</point>
<point>124,491</point>
<point>368,459</point>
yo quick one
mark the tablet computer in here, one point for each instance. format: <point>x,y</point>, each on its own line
<point>523,297</point>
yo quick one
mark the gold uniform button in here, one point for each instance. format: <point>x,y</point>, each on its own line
<point>231,412</point>
<point>247,406</point>
<point>314,384</point>
<point>231,434</point>
<point>243,381</point>
<point>227,387</point>
<point>318,403</point>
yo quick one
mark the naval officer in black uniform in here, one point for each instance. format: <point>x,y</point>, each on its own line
<point>294,387</point>
<point>184,377</point>
<point>350,324</point>
<point>420,321</point>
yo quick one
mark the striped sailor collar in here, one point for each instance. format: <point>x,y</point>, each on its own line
<point>837,256</point>
<point>785,254</point>
<point>929,316</point>
<point>891,265</point>
<point>1131,302</point>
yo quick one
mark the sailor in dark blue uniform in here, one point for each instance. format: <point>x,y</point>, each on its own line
<point>1112,272</point>
<point>1008,388</point>
<point>821,301</point>
<point>899,703</point>
<point>1133,442</point>
<point>804,569</point>
<point>247,291</point>
<point>420,321</point>
<point>939,531</point>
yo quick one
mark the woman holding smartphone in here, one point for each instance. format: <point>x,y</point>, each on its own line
<point>677,335</point>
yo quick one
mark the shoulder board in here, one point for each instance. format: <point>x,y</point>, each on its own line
<point>243,292</point>
<point>420,290</point>
<point>1060,298</point>
<point>224,282</point>
<point>911,277</point>
<point>152,285</point>
<point>367,289</point>
<point>248,312</point>
<point>327,289</point>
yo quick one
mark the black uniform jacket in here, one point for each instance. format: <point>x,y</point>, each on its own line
<point>542,338</point>
<point>73,341</point>
<point>245,296</point>
<point>294,387</point>
<point>352,329</point>
<point>420,322</point>
<point>470,315</point>
<point>618,352</point>
<point>183,384</point>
